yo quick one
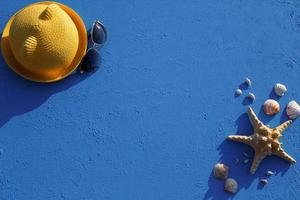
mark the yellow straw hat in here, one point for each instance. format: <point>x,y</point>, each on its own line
<point>44,42</point>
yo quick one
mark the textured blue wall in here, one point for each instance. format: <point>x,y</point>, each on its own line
<point>152,122</point>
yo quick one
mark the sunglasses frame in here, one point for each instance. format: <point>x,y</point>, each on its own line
<point>92,32</point>
<point>96,45</point>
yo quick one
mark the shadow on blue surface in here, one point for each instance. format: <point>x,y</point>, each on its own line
<point>19,96</point>
<point>243,86</point>
<point>230,151</point>
<point>247,101</point>
<point>273,95</point>
<point>284,116</point>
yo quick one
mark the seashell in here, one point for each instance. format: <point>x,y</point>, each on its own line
<point>251,96</point>
<point>293,110</point>
<point>221,171</point>
<point>238,92</point>
<point>248,82</point>
<point>246,161</point>
<point>280,89</point>
<point>231,185</point>
<point>264,181</point>
<point>269,173</point>
<point>271,107</point>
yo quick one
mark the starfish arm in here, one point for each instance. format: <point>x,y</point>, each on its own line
<point>256,161</point>
<point>240,138</point>
<point>282,154</point>
<point>283,126</point>
<point>254,119</point>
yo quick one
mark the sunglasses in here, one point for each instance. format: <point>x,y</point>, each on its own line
<point>98,37</point>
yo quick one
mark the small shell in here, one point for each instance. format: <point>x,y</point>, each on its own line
<point>269,173</point>
<point>238,92</point>
<point>248,82</point>
<point>221,171</point>
<point>251,96</point>
<point>271,107</point>
<point>231,185</point>
<point>264,181</point>
<point>280,89</point>
<point>293,110</point>
<point>246,161</point>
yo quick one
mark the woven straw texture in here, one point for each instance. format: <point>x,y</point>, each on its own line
<point>44,38</point>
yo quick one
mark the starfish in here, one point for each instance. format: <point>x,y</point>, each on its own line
<point>264,140</point>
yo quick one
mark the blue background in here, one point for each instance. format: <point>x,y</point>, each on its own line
<point>152,122</point>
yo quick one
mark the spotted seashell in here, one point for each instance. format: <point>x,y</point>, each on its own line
<point>221,171</point>
<point>280,89</point>
<point>271,107</point>
<point>293,110</point>
<point>248,82</point>
<point>238,92</point>
<point>251,96</point>
<point>231,185</point>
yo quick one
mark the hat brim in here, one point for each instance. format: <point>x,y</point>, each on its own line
<point>47,76</point>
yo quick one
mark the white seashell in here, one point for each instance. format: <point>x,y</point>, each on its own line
<point>238,92</point>
<point>246,161</point>
<point>280,89</point>
<point>264,181</point>
<point>231,185</point>
<point>269,173</point>
<point>248,82</point>
<point>221,171</point>
<point>293,110</point>
<point>271,107</point>
<point>251,96</point>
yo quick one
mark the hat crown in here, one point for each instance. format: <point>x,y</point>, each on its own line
<point>50,12</point>
<point>44,37</point>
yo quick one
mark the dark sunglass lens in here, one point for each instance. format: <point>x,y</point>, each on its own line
<point>99,33</point>
<point>90,61</point>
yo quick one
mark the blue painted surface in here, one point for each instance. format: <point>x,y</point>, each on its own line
<point>152,122</point>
